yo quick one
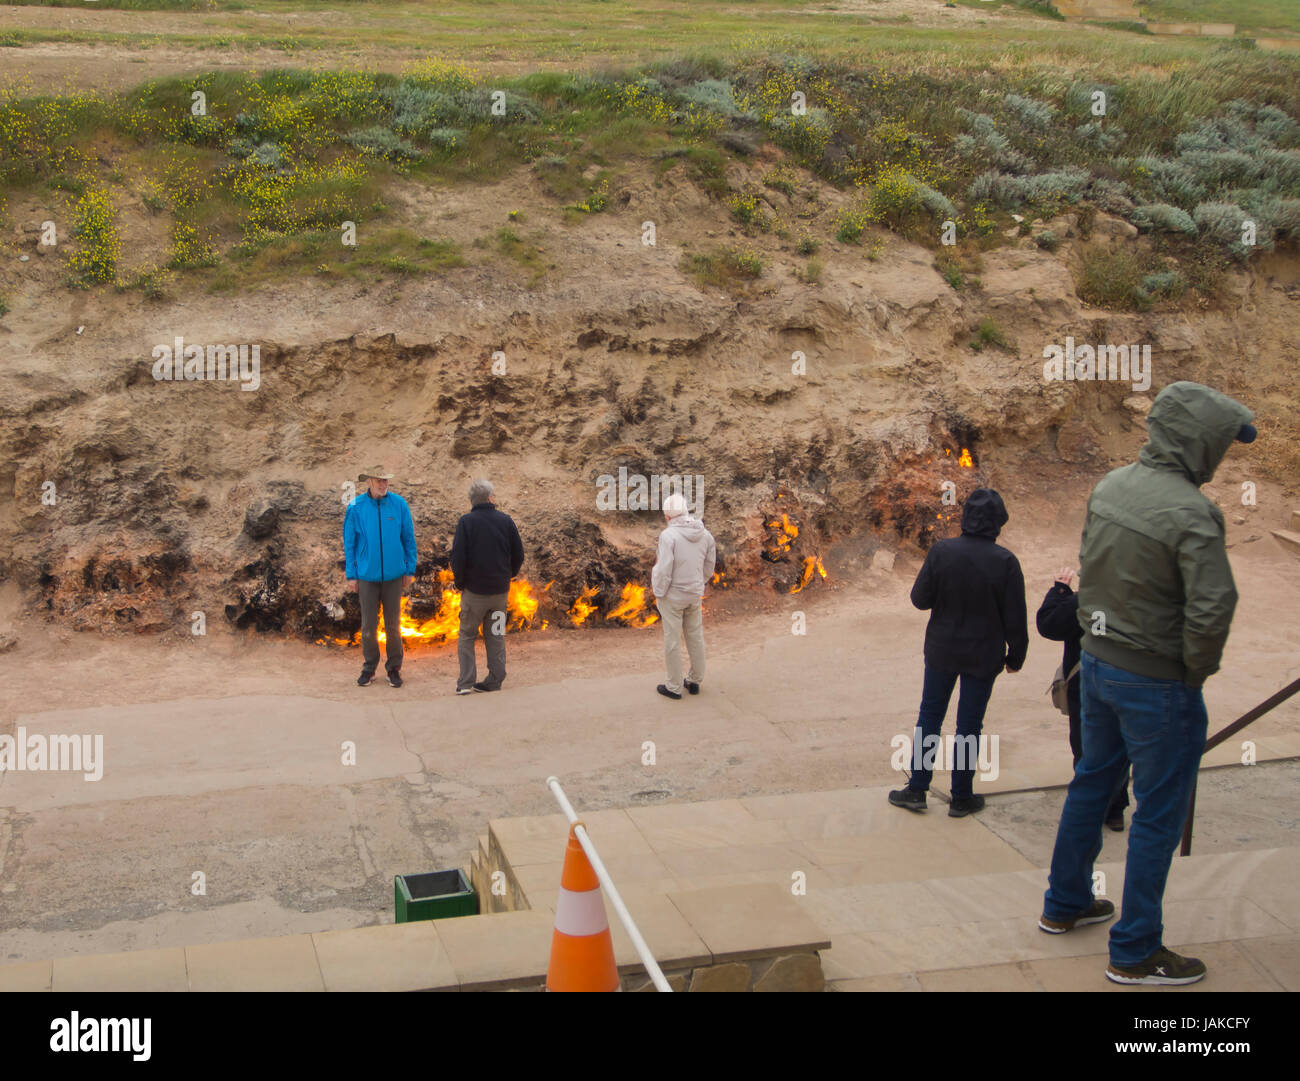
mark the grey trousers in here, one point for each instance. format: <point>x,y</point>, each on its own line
<point>372,595</point>
<point>679,618</point>
<point>478,609</point>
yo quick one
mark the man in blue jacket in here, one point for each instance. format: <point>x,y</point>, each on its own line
<point>379,561</point>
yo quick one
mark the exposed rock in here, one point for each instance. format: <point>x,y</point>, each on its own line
<point>732,976</point>
<point>261,519</point>
<point>793,972</point>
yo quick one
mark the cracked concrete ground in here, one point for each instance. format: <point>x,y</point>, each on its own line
<point>225,756</point>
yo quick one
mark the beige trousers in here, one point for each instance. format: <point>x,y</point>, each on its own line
<point>680,619</point>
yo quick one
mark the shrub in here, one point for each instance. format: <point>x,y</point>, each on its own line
<point>989,333</point>
<point>813,272</point>
<point>1162,218</point>
<point>716,96</point>
<point>382,143</point>
<point>1035,115</point>
<point>1113,279</point>
<point>1098,136</point>
<point>99,243</point>
<point>1167,284</point>
<point>1047,240</point>
<point>1222,223</point>
<point>747,209</point>
<point>808,245</point>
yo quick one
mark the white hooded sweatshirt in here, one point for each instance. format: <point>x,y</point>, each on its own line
<point>685,563</point>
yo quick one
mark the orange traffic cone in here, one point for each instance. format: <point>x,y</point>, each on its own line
<point>582,952</point>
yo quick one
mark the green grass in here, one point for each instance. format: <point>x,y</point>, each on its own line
<point>1281,16</point>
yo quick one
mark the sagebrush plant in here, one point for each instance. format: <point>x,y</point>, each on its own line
<point>293,153</point>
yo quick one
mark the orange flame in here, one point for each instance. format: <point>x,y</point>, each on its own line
<point>717,578</point>
<point>582,607</point>
<point>965,460</point>
<point>631,608</point>
<point>811,565</point>
<point>780,544</point>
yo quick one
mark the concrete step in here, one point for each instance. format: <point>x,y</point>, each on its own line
<point>1288,539</point>
<point>980,931</point>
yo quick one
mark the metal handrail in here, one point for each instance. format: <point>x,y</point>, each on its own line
<point>1249,717</point>
<point>607,884</point>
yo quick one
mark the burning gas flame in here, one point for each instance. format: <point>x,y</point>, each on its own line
<point>522,605</point>
<point>717,578</point>
<point>964,459</point>
<point>582,607</point>
<point>811,565</point>
<point>780,544</point>
<point>631,608</point>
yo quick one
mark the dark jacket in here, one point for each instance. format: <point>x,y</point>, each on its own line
<point>1153,561</point>
<point>976,595</point>
<point>486,552</point>
<point>1058,620</point>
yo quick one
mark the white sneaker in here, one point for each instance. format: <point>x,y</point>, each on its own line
<point>464,690</point>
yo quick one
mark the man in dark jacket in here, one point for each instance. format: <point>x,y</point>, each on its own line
<point>1156,601</point>
<point>379,564</point>
<point>485,554</point>
<point>1058,621</point>
<point>978,625</point>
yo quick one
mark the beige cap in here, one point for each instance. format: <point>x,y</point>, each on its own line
<point>374,473</point>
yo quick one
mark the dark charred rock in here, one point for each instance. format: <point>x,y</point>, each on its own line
<point>261,519</point>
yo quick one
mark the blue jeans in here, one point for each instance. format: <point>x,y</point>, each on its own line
<point>1159,725</point>
<point>936,692</point>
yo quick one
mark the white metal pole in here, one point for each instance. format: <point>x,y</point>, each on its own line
<point>607,883</point>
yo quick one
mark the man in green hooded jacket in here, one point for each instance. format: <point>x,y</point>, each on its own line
<point>1155,605</point>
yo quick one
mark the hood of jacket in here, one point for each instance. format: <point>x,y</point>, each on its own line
<point>1190,428</point>
<point>689,527</point>
<point>984,514</point>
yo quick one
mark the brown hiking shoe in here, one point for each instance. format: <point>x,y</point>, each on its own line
<point>1162,967</point>
<point>1097,912</point>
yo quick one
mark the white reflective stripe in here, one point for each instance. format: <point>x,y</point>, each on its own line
<point>580,913</point>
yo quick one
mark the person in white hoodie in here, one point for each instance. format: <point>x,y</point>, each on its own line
<point>685,563</point>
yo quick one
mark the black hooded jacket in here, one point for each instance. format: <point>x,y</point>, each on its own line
<point>975,592</point>
<point>1058,620</point>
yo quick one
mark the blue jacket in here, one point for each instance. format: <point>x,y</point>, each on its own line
<point>378,538</point>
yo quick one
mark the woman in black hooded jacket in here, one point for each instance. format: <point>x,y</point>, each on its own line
<point>1058,621</point>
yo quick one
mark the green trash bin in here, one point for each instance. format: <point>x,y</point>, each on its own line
<point>433,895</point>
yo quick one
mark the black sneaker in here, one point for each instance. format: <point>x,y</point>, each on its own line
<point>909,798</point>
<point>395,677</point>
<point>1097,912</point>
<point>1162,967</point>
<point>485,687</point>
<point>365,679</point>
<point>666,692</point>
<point>1116,822</point>
<point>464,690</point>
<point>968,805</point>
<point>694,688</point>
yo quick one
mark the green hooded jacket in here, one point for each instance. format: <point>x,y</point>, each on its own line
<point>1156,594</point>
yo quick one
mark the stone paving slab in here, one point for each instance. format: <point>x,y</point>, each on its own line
<point>138,970</point>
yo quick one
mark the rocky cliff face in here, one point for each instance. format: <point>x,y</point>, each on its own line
<point>129,503</point>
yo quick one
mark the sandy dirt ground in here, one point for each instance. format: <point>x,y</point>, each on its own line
<point>222,754</point>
